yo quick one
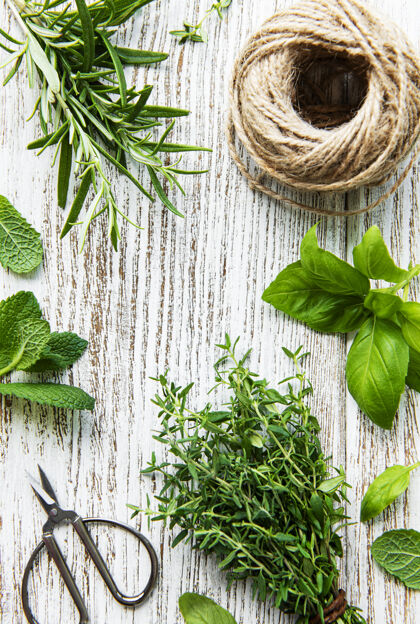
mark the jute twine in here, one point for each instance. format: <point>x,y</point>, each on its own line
<point>306,141</point>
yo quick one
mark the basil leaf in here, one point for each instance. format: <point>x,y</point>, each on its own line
<point>57,395</point>
<point>399,553</point>
<point>20,245</point>
<point>329,272</point>
<point>413,375</point>
<point>384,490</point>
<point>410,323</point>
<point>383,304</point>
<point>376,369</point>
<point>372,258</point>
<point>202,610</point>
<point>297,294</point>
<point>61,350</point>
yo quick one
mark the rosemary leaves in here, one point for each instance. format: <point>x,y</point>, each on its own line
<point>86,109</point>
<point>250,484</point>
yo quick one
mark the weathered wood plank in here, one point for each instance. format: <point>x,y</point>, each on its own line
<point>164,300</point>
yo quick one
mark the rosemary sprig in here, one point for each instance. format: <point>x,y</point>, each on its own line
<point>86,109</point>
<point>251,485</point>
<point>196,33</point>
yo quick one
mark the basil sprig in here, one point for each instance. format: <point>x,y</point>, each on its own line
<point>330,295</point>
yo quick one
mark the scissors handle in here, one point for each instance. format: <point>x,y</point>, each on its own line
<point>57,556</point>
<point>80,527</point>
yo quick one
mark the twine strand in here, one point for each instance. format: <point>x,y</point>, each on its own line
<point>267,118</point>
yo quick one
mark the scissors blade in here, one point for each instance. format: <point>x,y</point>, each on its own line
<point>46,501</point>
<point>46,484</point>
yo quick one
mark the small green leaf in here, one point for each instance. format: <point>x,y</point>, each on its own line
<point>410,323</point>
<point>31,336</point>
<point>88,35</point>
<point>119,70</point>
<point>198,609</point>
<point>384,490</point>
<point>22,346</point>
<point>61,351</point>
<point>15,309</point>
<point>371,257</point>
<point>20,245</point>
<point>398,552</point>
<point>77,204</point>
<point>376,369</point>
<point>64,172</point>
<point>296,293</point>
<point>41,60</point>
<point>329,272</point>
<point>140,57</point>
<point>413,375</point>
<point>57,395</point>
<point>382,304</point>
<point>331,485</point>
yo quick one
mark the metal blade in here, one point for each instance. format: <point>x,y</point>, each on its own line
<point>46,484</point>
<point>47,503</point>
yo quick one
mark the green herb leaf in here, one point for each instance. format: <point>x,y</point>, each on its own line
<point>329,272</point>
<point>198,609</point>
<point>88,35</point>
<point>371,257</point>
<point>20,245</point>
<point>377,366</point>
<point>410,323</point>
<point>296,293</point>
<point>64,171</point>
<point>384,490</point>
<point>17,308</point>
<point>25,345</point>
<point>383,304</point>
<point>398,552</point>
<point>61,351</point>
<point>413,375</point>
<point>140,57</point>
<point>57,395</point>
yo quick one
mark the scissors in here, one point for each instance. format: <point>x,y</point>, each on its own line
<point>56,516</point>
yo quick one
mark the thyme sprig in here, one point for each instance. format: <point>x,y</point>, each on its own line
<point>251,485</point>
<point>196,32</point>
<point>86,109</point>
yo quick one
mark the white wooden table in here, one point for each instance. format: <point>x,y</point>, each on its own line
<point>164,300</point>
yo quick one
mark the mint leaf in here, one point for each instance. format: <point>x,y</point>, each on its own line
<point>20,245</point>
<point>409,317</point>
<point>371,257</point>
<point>384,490</point>
<point>17,308</point>
<point>61,350</point>
<point>376,369</point>
<point>398,552</point>
<point>329,272</point>
<point>198,609</point>
<point>413,375</point>
<point>24,345</point>
<point>296,293</point>
<point>57,395</point>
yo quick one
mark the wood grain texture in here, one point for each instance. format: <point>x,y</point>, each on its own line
<point>164,300</point>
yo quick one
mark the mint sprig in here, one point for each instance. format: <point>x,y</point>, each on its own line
<point>398,552</point>
<point>20,245</point>
<point>26,343</point>
<point>330,295</point>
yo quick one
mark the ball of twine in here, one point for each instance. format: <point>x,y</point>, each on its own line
<point>295,132</point>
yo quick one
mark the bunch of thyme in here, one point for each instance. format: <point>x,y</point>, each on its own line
<point>85,107</point>
<point>251,485</point>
